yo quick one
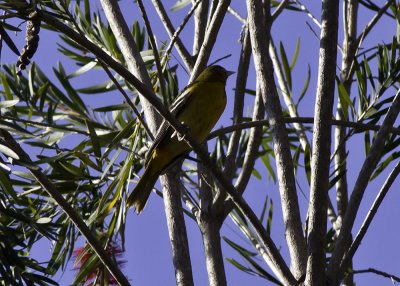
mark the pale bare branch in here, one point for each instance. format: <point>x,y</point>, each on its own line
<point>317,209</point>
<point>260,36</point>
<point>183,52</point>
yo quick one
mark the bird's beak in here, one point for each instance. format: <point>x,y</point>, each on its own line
<point>229,73</point>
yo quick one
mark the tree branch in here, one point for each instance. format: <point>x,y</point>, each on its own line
<point>378,272</point>
<point>361,184</point>
<point>287,96</point>
<point>210,38</point>
<point>200,24</point>
<point>372,23</point>
<point>154,48</point>
<point>350,15</point>
<point>358,127</point>
<point>175,36</point>
<point>370,216</point>
<point>132,56</point>
<point>317,210</point>
<point>240,86</point>
<point>252,146</point>
<point>176,227</point>
<point>260,36</point>
<point>185,55</point>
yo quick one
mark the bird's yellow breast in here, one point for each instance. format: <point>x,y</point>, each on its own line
<point>200,113</point>
<point>204,108</point>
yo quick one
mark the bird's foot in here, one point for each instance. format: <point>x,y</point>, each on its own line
<point>181,136</point>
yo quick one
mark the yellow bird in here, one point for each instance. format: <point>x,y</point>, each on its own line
<point>198,107</point>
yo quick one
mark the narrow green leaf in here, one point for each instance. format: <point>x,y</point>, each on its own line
<point>77,103</point>
<point>109,108</point>
<point>90,266</point>
<point>305,87</point>
<point>296,54</point>
<point>8,103</point>
<point>6,38</point>
<point>6,87</point>
<point>87,67</point>
<point>124,133</point>
<point>256,174</point>
<point>267,163</point>
<point>180,4</point>
<point>286,67</point>
<point>7,186</point>
<point>98,88</point>
<point>94,139</point>
<point>8,152</point>
<point>270,216</point>
<point>307,163</point>
<point>263,211</point>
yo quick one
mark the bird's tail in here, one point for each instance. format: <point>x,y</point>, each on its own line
<point>140,194</point>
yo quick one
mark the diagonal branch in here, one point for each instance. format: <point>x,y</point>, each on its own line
<point>286,95</point>
<point>361,184</point>
<point>371,214</point>
<point>66,207</point>
<point>154,48</point>
<point>185,55</point>
<point>378,272</point>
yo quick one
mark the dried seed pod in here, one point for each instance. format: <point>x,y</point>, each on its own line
<point>31,41</point>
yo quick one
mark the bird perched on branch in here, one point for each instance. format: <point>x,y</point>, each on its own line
<point>198,107</point>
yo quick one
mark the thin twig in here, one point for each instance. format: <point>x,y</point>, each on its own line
<point>236,15</point>
<point>150,34</point>
<point>127,99</point>
<point>370,216</point>
<point>175,37</point>
<point>279,9</point>
<point>240,86</point>
<point>309,14</point>
<point>378,272</point>
<point>358,127</point>
<point>361,184</point>
<point>373,22</point>
<point>185,55</point>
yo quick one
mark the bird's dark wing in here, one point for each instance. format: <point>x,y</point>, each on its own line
<point>175,109</point>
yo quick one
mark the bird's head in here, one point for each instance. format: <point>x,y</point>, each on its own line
<point>214,73</point>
